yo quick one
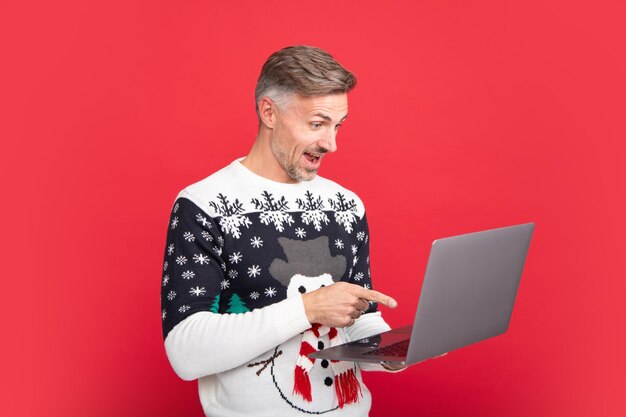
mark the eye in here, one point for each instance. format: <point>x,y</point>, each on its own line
<point>301,289</point>
<point>316,125</point>
<point>337,126</point>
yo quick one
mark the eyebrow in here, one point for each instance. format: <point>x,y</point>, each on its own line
<point>328,119</point>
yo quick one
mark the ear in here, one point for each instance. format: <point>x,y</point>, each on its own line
<point>267,112</point>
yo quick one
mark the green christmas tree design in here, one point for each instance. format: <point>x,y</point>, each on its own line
<point>236,305</point>
<point>216,304</point>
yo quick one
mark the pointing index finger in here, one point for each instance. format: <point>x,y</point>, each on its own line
<point>377,297</point>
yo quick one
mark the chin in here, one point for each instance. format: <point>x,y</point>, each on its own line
<point>301,174</point>
<point>308,176</point>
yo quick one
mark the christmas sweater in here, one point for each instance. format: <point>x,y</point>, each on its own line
<point>240,252</point>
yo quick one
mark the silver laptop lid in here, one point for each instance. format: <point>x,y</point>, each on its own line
<point>468,290</point>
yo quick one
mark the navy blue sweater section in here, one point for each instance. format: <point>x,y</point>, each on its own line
<point>206,269</point>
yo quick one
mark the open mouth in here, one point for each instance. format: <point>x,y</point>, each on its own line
<point>312,158</point>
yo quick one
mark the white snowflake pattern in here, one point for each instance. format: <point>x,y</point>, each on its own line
<point>170,249</point>
<point>220,240</point>
<point>366,238</point>
<point>231,224</point>
<point>367,259</point>
<point>345,218</point>
<point>256,242</point>
<point>350,273</point>
<point>176,206</point>
<point>184,309</point>
<point>233,274</point>
<point>354,249</point>
<point>225,284</point>
<point>360,235</point>
<point>277,218</point>
<point>355,260</point>
<point>317,217</point>
<point>200,259</point>
<point>171,295</point>
<point>197,291</point>
<point>181,260</point>
<point>369,273</point>
<point>217,250</point>
<point>358,276</point>
<point>270,292</point>
<point>188,274</point>
<point>206,235</point>
<point>254,295</point>
<point>300,232</point>
<point>200,218</point>
<point>223,265</point>
<point>166,279</point>
<point>189,237</point>
<point>163,314</point>
<point>366,286</point>
<point>235,258</point>
<point>339,243</point>
<point>254,271</point>
<point>165,265</point>
<point>174,223</point>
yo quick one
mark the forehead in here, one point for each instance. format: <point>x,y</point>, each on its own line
<point>332,105</point>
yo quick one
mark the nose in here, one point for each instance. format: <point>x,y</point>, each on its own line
<point>329,141</point>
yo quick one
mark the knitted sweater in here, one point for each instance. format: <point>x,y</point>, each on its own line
<point>240,252</point>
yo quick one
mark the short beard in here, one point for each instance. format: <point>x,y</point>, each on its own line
<point>290,169</point>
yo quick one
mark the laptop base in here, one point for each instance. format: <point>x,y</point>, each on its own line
<point>360,350</point>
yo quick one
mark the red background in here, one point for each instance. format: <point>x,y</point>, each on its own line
<point>468,115</point>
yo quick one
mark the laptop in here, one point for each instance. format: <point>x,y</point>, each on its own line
<point>467,296</point>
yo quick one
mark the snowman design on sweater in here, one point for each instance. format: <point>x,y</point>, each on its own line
<point>310,266</point>
<point>237,243</point>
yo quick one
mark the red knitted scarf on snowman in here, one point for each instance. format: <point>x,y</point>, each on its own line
<point>347,386</point>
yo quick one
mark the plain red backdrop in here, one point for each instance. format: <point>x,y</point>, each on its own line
<point>468,115</point>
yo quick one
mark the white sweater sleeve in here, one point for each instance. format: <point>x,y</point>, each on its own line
<point>367,325</point>
<point>206,343</point>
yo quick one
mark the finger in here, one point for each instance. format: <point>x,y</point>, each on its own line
<point>391,366</point>
<point>362,305</point>
<point>377,297</point>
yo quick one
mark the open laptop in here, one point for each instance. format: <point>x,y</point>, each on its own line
<point>467,296</point>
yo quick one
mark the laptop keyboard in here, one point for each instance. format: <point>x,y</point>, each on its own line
<point>395,349</point>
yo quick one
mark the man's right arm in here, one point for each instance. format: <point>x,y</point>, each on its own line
<point>206,343</point>
<point>198,340</point>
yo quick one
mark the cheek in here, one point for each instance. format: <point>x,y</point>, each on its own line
<point>290,144</point>
<point>305,138</point>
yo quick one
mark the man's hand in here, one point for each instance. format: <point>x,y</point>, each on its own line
<point>393,367</point>
<point>340,304</point>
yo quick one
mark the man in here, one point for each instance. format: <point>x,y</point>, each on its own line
<point>267,262</point>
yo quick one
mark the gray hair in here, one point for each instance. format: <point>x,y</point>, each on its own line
<point>303,70</point>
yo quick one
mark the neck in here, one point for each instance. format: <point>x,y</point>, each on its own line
<point>262,161</point>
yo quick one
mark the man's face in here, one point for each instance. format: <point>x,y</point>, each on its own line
<point>305,130</point>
